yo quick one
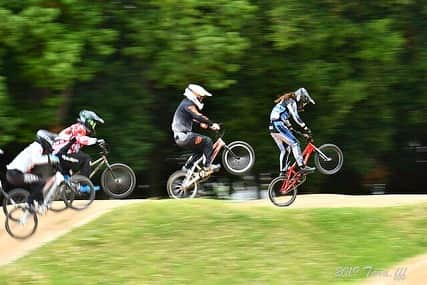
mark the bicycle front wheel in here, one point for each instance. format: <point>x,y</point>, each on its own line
<point>177,190</point>
<point>238,157</point>
<point>21,223</point>
<point>118,181</point>
<point>277,196</point>
<point>79,192</point>
<point>15,198</point>
<point>330,160</point>
<point>60,201</point>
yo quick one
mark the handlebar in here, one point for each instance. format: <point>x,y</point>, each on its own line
<point>104,148</point>
<point>308,137</point>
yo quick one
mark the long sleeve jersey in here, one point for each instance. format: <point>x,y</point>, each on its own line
<point>77,131</point>
<point>31,156</point>
<point>283,111</point>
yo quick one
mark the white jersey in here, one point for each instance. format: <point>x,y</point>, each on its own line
<point>28,158</point>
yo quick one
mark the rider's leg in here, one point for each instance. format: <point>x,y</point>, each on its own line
<point>287,137</point>
<point>199,144</point>
<point>283,157</point>
<point>31,181</point>
<point>83,162</point>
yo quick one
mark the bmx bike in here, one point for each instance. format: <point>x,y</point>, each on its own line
<point>238,158</point>
<point>118,180</point>
<point>60,192</point>
<point>328,159</point>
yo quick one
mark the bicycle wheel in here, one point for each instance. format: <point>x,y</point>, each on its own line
<point>60,201</point>
<point>21,223</point>
<point>14,198</point>
<point>277,197</point>
<point>176,189</point>
<point>238,157</point>
<point>118,181</point>
<point>333,160</point>
<point>79,192</point>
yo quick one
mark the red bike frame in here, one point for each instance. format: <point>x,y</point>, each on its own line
<point>293,177</point>
<point>217,146</point>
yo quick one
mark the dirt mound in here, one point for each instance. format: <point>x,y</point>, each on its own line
<point>51,226</point>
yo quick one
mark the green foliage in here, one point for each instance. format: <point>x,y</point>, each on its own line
<point>131,60</point>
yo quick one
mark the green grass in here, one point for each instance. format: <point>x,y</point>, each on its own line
<point>214,242</point>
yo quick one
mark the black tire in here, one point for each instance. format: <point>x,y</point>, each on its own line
<point>16,196</point>
<point>118,181</point>
<point>175,189</point>
<point>238,157</point>
<point>334,165</point>
<point>21,223</point>
<point>277,197</point>
<point>60,200</point>
<point>77,199</point>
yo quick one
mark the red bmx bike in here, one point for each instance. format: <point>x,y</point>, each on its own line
<point>328,159</point>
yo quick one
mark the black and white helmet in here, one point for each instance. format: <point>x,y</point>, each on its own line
<point>303,98</point>
<point>89,119</point>
<point>193,91</point>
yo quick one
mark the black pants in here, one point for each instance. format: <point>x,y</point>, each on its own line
<point>81,164</point>
<point>199,144</point>
<point>30,181</point>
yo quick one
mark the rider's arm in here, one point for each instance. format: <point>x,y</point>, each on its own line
<point>197,116</point>
<point>86,140</point>
<point>293,110</point>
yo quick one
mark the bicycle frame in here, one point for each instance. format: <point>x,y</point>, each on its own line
<point>216,148</point>
<point>99,163</point>
<point>293,177</point>
<point>51,186</point>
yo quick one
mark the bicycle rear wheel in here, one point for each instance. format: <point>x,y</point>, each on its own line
<point>60,201</point>
<point>176,189</point>
<point>14,198</point>
<point>277,196</point>
<point>118,181</point>
<point>21,223</point>
<point>331,159</point>
<point>238,157</point>
<point>79,192</point>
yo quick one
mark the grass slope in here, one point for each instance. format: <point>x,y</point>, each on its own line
<point>213,242</point>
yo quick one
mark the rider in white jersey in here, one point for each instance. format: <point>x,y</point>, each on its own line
<point>287,106</point>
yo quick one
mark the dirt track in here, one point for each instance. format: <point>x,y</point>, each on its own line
<point>53,225</point>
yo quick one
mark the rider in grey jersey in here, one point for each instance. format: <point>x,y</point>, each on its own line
<point>281,129</point>
<point>188,112</point>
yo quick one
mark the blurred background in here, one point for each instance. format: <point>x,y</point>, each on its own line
<point>364,63</point>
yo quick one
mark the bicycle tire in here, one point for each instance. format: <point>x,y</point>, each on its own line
<point>121,183</point>
<point>75,196</point>
<point>238,157</point>
<point>274,190</point>
<point>60,195</point>
<point>15,196</point>
<point>329,167</point>
<point>11,222</point>
<point>174,186</point>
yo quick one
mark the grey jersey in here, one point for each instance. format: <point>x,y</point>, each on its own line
<point>184,116</point>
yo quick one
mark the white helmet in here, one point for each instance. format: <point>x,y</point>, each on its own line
<point>302,97</point>
<point>194,90</point>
